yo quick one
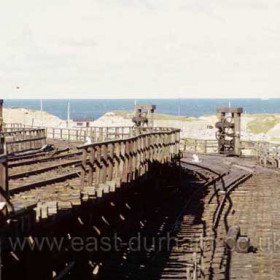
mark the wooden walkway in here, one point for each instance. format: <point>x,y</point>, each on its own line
<point>50,183</point>
<point>219,192</point>
<point>252,204</point>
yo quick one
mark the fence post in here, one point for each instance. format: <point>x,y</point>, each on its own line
<point>83,168</point>
<point>91,165</point>
<point>98,165</point>
<point>104,152</point>
<point>106,132</point>
<point>4,195</point>
<point>110,161</point>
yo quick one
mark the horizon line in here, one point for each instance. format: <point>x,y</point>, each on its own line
<point>141,98</point>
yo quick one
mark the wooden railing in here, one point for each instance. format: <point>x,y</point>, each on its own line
<point>106,165</point>
<point>251,148</point>
<point>199,145</point>
<point>21,140</point>
<point>96,134</point>
<point>78,134</point>
<point>13,126</point>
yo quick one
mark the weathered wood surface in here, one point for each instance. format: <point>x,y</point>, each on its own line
<point>96,134</point>
<point>25,139</point>
<point>4,188</point>
<point>267,153</point>
<point>13,126</point>
<point>199,145</point>
<point>104,166</point>
<point>124,160</point>
<point>79,134</point>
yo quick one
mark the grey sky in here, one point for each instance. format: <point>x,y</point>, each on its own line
<point>139,48</point>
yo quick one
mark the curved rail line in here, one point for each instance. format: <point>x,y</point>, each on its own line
<point>181,262</point>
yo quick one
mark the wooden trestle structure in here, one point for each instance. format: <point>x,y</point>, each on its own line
<point>101,166</point>
<point>129,180</point>
<point>124,160</point>
<point>58,187</point>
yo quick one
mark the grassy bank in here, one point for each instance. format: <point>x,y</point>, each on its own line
<point>262,123</point>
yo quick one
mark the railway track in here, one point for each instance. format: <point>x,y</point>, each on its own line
<point>44,151</point>
<point>28,173</point>
<point>192,223</point>
<point>257,214</point>
<point>196,213</point>
<point>200,249</point>
<point>16,162</point>
<point>43,176</point>
<point>190,213</point>
<point>40,155</point>
<point>37,168</point>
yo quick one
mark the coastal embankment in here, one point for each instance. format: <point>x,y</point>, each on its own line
<point>254,126</point>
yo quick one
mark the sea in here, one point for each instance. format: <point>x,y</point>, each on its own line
<point>95,108</point>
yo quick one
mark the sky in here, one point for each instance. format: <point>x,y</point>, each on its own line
<point>140,49</point>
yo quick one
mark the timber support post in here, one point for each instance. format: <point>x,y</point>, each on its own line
<point>4,186</point>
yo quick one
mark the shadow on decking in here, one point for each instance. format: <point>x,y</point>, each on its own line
<point>151,211</point>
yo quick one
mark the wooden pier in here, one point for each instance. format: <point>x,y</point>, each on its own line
<point>130,181</point>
